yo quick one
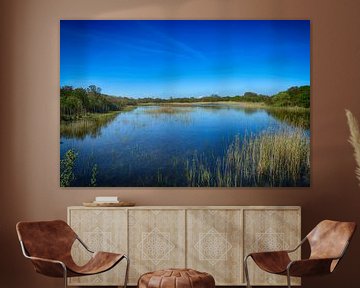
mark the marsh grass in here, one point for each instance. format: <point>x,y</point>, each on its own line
<point>89,125</point>
<point>179,114</point>
<point>168,110</point>
<point>294,116</point>
<point>272,159</point>
<point>269,159</point>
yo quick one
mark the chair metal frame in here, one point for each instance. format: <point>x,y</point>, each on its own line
<point>26,255</point>
<point>288,276</point>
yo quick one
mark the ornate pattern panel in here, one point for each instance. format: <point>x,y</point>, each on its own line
<point>214,244</point>
<point>270,230</point>
<point>207,239</point>
<point>156,240</point>
<point>101,230</point>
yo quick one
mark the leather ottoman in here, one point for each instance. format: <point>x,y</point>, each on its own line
<point>176,278</point>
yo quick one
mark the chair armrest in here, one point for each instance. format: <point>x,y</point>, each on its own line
<point>83,244</point>
<point>48,267</point>
<point>309,267</point>
<point>280,251</point>
<point>46,260</point>
<point>298,246</point>
<point>269,253</point>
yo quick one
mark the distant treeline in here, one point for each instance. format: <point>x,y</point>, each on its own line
<point>77,102</point>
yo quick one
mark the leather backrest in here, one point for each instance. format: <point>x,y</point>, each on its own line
<point>46,239</point>
<point>329,238</point>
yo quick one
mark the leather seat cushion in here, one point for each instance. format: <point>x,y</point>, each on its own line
<point>176,278</point>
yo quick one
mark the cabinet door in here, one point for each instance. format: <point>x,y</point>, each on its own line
<point>271,230</point>
<point>214,244</point>
<point>100,230</point>
<point>156,240</point>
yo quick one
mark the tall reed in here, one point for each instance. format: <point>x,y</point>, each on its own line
<point>87,126</point>
<point>269,159</point>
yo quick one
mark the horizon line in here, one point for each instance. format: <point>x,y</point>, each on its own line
<point>179,97</point>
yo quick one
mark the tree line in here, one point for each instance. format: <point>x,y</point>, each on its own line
<point>77,102</point>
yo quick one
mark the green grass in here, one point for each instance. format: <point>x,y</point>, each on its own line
<point>269,159</point>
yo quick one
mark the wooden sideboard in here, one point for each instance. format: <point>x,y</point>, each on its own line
<point>212,239</point>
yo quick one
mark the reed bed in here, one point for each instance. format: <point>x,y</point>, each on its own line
<point>90,125</point>
<point>167,113</point>
<point>269,159</point>
<point>168,110</point>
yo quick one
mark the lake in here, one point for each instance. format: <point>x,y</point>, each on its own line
<point>204,145</point>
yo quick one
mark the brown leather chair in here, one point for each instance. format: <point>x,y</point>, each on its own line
<point>328,242</point>
<point>48,245</point>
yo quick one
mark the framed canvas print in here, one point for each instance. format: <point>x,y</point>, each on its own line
<point>184,103</point>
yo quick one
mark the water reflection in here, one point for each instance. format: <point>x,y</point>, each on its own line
<point>93,125</point>
<point>155,145</point>
<point>86,127</point>
<point>294,117</point>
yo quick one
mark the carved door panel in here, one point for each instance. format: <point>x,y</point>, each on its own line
<point>213,240</point>
<point>156,240</point>
<point>214,244</point>
<point>270,230</point>
<point>101,230</point>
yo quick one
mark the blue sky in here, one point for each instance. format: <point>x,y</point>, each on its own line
<point>175,58</point>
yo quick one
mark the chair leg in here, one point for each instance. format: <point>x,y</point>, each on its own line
<point>288,278</point>
<point>65,276</point>
<point>127,271</point>
<point>246,270</point>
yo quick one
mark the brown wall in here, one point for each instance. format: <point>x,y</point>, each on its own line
<point>29,123</point>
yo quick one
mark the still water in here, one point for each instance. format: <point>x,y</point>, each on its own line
<point>151,145</point>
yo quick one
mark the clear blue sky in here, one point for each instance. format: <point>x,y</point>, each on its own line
<point>175,58</point>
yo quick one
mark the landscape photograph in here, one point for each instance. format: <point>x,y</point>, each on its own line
<point>184,103</point>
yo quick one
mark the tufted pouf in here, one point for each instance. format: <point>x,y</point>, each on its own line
<point>176,278</point>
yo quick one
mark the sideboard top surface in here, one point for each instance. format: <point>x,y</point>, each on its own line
<point>193,207</point>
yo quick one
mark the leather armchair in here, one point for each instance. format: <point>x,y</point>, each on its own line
<point>48,245</point>
<point>328,242</point>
